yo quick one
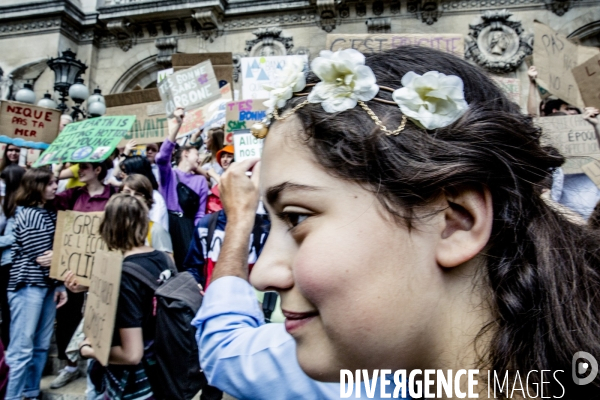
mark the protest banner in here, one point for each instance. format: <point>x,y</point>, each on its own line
<point>26,125</point>
<point>32,156</point>
<point>147,128</point>
<point>587,76</point>
<point>76,242</point>
<point>92,140</point>
<point>510,86</point>
<point>376,43</point>
<point>162,74</point>
<point>592,170</point>
<point>574,137</point>
<point>260,71</point>
<point>554,57</point>
<point>134,97</point>
<point>241,115</point>
<point>222,63</point>
<point>245,145</point>
<point>101,304</point>
<point>190,88</point>
<point>198,119</point>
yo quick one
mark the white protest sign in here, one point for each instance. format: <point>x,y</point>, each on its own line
<point>245,145</point>
<point>259,71</point>
<point>574,137</point>
<point>190,88</point>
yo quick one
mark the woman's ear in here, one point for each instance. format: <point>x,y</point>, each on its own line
<point>468,220</point>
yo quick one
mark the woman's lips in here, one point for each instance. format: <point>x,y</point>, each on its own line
<point>295,320</point>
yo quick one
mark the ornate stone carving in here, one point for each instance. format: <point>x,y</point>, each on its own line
<point>497,43</point>
<point>361,9</point>
<point>237,66</point>
<point>558,7</point>
<point>151,28</point>
<point>426,10</point>
<point>166,28</point>
<point>166,46</point>
<point>268,42</point>
<point>344,11</point>
<point>180,25</point>
<point>379,25</point>
<point>123,32</point>
<point>395,7</point>
<point>209,21</point>
<point>327,10</point>
<point>378,7</point>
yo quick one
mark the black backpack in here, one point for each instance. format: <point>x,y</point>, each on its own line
<point>177,300</point>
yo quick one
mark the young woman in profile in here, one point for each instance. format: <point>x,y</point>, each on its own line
<point>408,230</point>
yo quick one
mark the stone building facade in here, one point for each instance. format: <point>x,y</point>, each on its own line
<point>126,42</point>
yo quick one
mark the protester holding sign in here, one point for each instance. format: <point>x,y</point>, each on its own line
<point>184,191</point>
<point>11,176</point>
<point>33,296</point>
<point>126,375</point>
<point>214,143</point>
<point>89,198</point>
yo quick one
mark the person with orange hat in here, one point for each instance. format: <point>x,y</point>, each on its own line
<point>224,158</point>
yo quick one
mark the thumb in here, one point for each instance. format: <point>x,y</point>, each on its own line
<point>256,174</point>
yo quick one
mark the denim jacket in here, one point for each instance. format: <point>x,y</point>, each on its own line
<point>7,239</point>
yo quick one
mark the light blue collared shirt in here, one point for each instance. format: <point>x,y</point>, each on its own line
<point>248,359</point>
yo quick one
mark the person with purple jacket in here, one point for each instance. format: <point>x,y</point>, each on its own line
<point>185,192</point>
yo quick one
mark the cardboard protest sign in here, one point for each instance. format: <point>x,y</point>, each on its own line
<point>592,170</point>
<point>76,242</point>
<point>33,155</point>
<point>260,71</point>
<point>554,57</point>
<point>245,145</point>
<point>101,304</point>
<point>510,86</point>
<point>242,114</point>
<point>222,63</point>
<point>200,118</point>
<point>587,76</point>
<point>147,128</point>
<point>574,137</point>
<point>162,74</point>
<point>375,43</point>
<point>190,88</point>
<point>26,125</point>
<point>92,140</point>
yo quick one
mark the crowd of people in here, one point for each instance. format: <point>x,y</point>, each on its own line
<point>452,242</point>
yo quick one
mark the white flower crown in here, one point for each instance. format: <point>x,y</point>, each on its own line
<point>432,100</point>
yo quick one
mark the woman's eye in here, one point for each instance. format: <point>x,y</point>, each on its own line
<point>293,219</point>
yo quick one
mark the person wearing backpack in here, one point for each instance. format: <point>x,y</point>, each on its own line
<point>153,355</point>
<point>183,190</point>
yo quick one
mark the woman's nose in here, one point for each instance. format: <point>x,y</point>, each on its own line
<point>272,270</point>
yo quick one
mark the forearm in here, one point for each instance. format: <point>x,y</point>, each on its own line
<point>532,102</point>
<point>120,356</point>
<point>233,259</point>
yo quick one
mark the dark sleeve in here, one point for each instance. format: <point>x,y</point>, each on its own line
<point>130,309</point>
<point>64,200</point>
<point>194,261</point>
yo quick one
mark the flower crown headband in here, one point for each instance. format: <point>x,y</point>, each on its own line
<point>432,100</point>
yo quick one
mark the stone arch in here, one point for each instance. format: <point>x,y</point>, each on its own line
<point>585,28</point>
<point>14,80</point>
<point>144,73</point>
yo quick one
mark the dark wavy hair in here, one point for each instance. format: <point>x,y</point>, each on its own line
<point>139,165</point>
<point>11,175</point>
<point>542,271</point>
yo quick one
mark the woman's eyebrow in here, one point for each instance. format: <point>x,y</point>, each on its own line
<point>274,192</point>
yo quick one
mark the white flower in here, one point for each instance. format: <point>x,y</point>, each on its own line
<point>345,79</point>
<point>289,80</point>
<point>433,100</point>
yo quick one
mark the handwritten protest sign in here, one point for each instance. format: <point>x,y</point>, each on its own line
<point>510,86</point>
<point>147,128</point>
<point>242,114</point>
<point>260,71</point>
<point>91,140</point>
<point>76,242</point>
<point>162,74</point>
<point>554,57</point>
<point>245,145</point>
<point>205,116</point>
<point>101,304</point>
<point>25,125</point>
<point>587,76</point>
<point>369,44</point>
<point>574,137</point>
<point>190,88</point>
<point>592,170</point>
